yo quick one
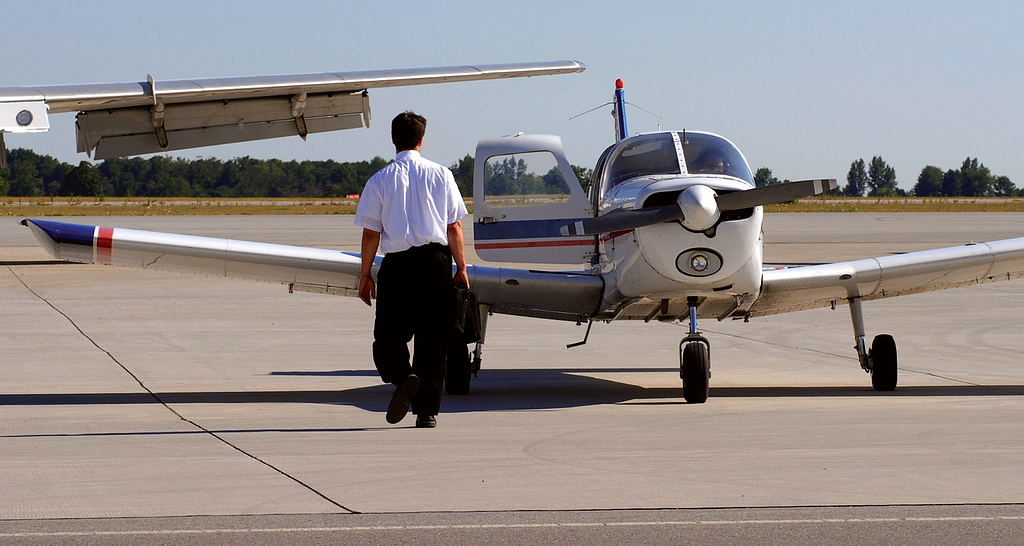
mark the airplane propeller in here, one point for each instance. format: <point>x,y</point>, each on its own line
<point>776,193</point>
<point>699,207</point>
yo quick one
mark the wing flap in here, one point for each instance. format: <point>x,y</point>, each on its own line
<point>130,131</point>
<point>799,288</point>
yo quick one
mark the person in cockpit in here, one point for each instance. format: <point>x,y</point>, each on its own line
<point>710,161</point>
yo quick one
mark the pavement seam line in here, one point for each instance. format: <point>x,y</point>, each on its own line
<point>516,526</point>
<point>172,410</point>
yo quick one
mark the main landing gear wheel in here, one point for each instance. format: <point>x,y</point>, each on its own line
<point>459,370</point>
<point>884,370</point>
<point>695,370</point>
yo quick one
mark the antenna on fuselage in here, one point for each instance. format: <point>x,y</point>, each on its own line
<point>619,111</point>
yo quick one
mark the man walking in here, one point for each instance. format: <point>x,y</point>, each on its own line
<point>412,210</point>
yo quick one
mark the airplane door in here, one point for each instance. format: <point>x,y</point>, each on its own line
<point>524,191</point>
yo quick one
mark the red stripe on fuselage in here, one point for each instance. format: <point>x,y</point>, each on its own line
<point>104,244</point>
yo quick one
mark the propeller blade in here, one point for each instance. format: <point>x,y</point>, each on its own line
<point>777,193</point>
<point>623,220</point>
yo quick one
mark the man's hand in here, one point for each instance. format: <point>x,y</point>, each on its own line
<point>457,244</point>
<point>462,278</point>
<point>367,289</point>
<point>368,249</point>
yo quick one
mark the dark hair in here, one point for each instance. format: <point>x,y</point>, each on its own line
<point>407,130</point>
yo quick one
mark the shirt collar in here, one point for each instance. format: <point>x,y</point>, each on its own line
<point>413,154</point>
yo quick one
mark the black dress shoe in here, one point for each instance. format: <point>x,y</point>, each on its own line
<point>400,401</point>
<point>426,421</point>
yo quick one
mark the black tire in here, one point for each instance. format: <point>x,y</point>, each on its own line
<point>458,372</point>
<point>696,373</point>
<point>884,369</point>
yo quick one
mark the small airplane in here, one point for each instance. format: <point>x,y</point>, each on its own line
<point>671,230</point>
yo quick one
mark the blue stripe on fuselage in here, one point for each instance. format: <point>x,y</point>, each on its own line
<point>520,229</point>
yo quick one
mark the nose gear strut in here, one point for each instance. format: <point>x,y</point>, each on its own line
<point>695,360</point>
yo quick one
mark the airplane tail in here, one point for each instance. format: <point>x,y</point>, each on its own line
<point>619,112</point>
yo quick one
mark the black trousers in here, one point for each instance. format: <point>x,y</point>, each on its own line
<point>415,301</point>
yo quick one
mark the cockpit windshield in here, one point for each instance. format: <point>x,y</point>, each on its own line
<point>655,154</point>
<point>710,154</point>
<point>642,155</point>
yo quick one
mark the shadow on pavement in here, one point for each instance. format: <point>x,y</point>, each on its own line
<point>500,390</point>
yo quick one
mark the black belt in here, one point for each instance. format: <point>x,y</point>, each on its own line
<point>419,251</point>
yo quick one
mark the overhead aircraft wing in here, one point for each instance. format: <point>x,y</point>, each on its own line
<point>122,119</point>
<point>562,296</point>
<point>799,288</point>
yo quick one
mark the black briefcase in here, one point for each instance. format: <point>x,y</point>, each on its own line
<point>467,316</point>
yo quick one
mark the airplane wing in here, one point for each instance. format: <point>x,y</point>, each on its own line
<point>562,296</point>
<point>122,119</point>
<point>573,296</point>
<point>799,288</point>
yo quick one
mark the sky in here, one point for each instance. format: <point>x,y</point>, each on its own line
<point>803,88</point>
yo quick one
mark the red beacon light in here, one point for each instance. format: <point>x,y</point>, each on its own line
<point>618,84</point>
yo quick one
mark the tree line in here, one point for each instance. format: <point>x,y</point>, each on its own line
<point>35,175</point>
<point>878,179</point>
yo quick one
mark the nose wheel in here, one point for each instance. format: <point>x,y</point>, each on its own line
<point>695,361</point>
<point>695,368</point>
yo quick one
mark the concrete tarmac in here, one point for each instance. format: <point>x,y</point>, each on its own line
<point>139,404</point>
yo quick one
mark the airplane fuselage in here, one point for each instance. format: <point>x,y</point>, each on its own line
<point>720,265</point>
<point>706,253</point>
<point>530,209</point>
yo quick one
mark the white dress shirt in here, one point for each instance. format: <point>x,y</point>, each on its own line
<point>410,202</point>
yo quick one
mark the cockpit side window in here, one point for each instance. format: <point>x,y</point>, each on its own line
<point>710,154</point>
<point>642,155</point>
